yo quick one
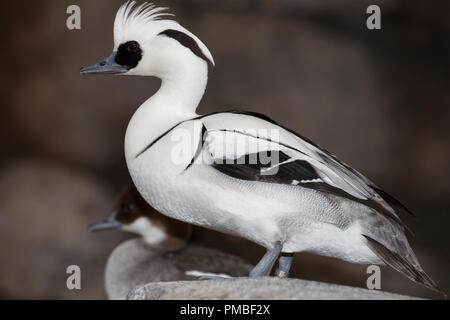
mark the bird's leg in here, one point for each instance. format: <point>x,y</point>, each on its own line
<point>265,265</point>
<point>284,265</point>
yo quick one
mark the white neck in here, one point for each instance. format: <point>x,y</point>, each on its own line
<point>152,235</point>
<point>176,101</point>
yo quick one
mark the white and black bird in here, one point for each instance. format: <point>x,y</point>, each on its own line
<point>163,251</point>
<point>240,172</point>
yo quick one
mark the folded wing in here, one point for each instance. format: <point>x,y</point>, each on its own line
<point>250,146</point>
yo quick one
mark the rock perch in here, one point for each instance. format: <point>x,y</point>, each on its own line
<point>270,288</point>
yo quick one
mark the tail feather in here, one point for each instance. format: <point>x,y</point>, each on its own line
<point>394,260</point>
<point>394,203</point>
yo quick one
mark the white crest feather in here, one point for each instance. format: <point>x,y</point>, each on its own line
<point>144,13</point>
<point>131,19</point>
<point>137,23</point>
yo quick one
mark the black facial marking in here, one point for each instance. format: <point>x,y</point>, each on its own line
<point>129,54</point>
<point>186,41</point>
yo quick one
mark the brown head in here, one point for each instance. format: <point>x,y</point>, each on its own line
<point>132,213</point>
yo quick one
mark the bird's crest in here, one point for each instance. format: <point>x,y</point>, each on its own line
<point>138,22</point>
<point>146,12</point>
<point>134,19</point>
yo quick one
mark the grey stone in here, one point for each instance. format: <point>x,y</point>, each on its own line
<point>134,263</point>
<point>270,288</point>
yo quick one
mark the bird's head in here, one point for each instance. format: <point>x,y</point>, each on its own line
<point>133,214</point>
<point>147,44</point>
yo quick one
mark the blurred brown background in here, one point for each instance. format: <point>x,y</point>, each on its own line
<point>380,100</point>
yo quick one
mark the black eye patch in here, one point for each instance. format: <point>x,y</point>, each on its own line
<point>129,54</point>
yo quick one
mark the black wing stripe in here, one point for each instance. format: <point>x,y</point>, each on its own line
<point>157,139</point>
<point>199,147</point>
<point>247,113</point>
<point>260,138</point>
<point>279,170</point>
